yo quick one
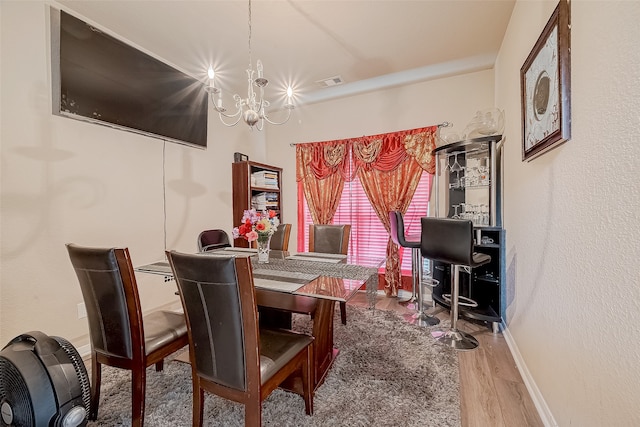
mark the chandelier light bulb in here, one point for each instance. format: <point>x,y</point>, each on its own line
<point>289,105</point>
<point>259,68</point>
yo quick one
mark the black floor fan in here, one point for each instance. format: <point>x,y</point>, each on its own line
<point>43,383</point>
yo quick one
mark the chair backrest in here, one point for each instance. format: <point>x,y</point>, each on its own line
<point>329,239</point>
<point>280,239</point>
<point>111,299</point>
<point>213,239</point>
<point>447,240</point>
<point>219,303</point>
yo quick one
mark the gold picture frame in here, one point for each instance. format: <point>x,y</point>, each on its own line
<point>545,83</point>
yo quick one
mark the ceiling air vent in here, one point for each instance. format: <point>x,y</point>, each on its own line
<point>331,81</point>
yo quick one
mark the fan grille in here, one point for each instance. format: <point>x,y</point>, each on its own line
<point>81,371</point>
<point>14,391</point>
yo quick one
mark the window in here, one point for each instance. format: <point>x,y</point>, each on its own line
<point>368,235</point>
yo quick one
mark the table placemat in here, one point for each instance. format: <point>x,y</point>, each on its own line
<point>284,276</point>
<point>160,267</point>
<point>234,249</point>
<point>316,259</point>
<point>320,255</point>
<point>226,254</point>
<point>276,285</point>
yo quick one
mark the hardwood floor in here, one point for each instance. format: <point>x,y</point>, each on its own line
<point>492,393</point>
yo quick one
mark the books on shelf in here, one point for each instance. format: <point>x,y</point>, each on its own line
<point>263,201</point>
<point>265,179</point>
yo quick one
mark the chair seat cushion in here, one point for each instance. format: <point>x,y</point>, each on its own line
<point>277,347</point>
<point>162,327</point>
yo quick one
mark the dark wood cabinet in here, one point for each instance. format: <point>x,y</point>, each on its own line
<point>255,185</point>
<point>468,187</point>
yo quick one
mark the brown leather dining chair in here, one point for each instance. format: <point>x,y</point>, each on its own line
<point>230,355</point>
<point>120,335</point>
<point>331,239</point>
<point>209,240</point>
<point>280,239</point>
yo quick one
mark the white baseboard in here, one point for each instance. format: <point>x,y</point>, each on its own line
<point>85,351</point>
<point>534,392</point>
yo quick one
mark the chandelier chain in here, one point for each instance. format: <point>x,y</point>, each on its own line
<point>250,60</point>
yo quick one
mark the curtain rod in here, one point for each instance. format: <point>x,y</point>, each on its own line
<point>441,125</point>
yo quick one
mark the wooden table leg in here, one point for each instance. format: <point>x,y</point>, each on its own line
<point>325,354</point>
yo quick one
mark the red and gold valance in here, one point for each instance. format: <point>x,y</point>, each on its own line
<point>384,152</point>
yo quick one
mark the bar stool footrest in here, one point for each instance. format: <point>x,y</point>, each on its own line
<point>430,281</point>
<point>467,302</point>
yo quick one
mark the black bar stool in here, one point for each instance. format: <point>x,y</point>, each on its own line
<point>420,318</point>
<point>451,241</point>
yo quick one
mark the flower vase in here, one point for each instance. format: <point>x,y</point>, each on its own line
<point>263,249</point>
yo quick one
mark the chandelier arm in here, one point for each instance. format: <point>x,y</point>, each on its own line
<point>221,110</point>
<point>278,123</point>
<point>260,108</point>
<point>229,116</point>
<point>220,115</point>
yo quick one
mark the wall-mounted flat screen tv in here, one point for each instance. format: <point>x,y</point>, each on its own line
<point>98,78</point>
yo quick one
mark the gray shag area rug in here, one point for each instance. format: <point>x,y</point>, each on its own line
<point>388,373</point>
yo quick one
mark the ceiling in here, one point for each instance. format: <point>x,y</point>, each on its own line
<point>370,44</point>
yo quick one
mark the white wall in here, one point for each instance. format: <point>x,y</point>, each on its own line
<point>69,181</point>
<point>453,99</point>
<point>572,221</point>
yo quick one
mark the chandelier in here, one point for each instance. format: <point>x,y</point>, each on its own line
<point>252,108</point>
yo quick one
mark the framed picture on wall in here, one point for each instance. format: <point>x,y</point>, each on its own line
<point>545,83</point>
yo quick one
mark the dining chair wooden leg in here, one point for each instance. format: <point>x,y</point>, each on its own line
<point>160,366</point>
<point>138,386</point>
<point>308,380</point>
<point>253,413</point>
<point>96,378</point>
<point>343,312</point>
<point>198,404</point>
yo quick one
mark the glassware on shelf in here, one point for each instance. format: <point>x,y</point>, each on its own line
<point>457,168</point>
<point>469,211</point>
<point>484,210</point>
<point>484,123</point>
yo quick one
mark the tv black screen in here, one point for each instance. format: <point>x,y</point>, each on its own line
<point>99,78</point>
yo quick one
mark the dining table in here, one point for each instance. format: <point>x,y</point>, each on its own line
<point>307,283</point>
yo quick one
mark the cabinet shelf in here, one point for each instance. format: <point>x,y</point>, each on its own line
<point>488,245</point>
<point>264,189</point>
<point>489,279</point>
